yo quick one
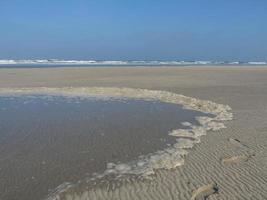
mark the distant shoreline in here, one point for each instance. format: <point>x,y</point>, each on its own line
<point>32,66</point>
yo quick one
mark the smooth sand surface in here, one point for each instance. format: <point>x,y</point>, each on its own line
<point>228,164</point>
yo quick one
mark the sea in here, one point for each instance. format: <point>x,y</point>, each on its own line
<point>40,63</point>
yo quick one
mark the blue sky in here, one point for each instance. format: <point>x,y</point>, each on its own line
<point>134,29</point>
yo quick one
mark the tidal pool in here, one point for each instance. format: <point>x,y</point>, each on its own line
<point>48,140</point>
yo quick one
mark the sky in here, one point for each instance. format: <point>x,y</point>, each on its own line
<point>134,29</point>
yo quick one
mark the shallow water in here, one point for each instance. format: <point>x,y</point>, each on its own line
<point>48,140</point>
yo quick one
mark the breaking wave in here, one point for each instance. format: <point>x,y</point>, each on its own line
<point>118,62</point>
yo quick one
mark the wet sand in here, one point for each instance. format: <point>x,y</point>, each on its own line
<point>230,162</point>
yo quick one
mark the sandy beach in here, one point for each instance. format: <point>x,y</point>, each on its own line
<point>231,162</point>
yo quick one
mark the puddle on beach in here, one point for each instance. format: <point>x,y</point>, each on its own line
<point>48,140</point>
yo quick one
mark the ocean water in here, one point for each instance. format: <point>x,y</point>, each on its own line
<point>93,63</point>
<point>49,140</point>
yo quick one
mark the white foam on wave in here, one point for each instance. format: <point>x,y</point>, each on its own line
<point>8,62</point>
<point>44,61</point>
<point>257,63</point>
<point>171,157</point>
